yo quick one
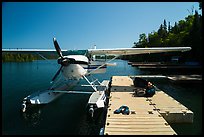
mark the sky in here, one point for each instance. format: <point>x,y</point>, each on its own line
<point>81,25</point>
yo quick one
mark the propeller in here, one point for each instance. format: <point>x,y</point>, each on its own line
<point>56,74</point>
<point>62,60</point>
<point>59,52</point>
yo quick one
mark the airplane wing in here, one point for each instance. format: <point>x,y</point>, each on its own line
<point>29,50</point>
<point>46,51</point>
<point>115,51</point>
<point>133,51</point>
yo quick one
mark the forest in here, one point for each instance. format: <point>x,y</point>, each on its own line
<point>25,57</point>
<point>184,33</point>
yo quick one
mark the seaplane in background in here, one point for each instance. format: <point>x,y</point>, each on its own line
<point>73,68</point>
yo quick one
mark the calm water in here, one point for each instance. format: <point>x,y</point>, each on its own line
<point>67,115</point>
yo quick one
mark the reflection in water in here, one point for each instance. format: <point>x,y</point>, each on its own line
<point>32,115</point>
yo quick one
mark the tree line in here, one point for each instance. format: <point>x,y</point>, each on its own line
<point>13,57</point>
<point>25,57</point>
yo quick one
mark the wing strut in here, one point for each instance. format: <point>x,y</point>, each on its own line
<point>103,65</point>
<point>44,58</point>
<point>91,83</point>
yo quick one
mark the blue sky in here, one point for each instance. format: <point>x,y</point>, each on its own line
<point>80,25</point>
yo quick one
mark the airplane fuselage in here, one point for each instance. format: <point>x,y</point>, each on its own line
<point>75,70</point>
<point>81,66</point>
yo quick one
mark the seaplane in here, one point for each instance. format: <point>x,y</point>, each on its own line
<point>74,68</point>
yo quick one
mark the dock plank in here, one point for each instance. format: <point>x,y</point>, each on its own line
<point>172,110</point>
<point>144,121</point>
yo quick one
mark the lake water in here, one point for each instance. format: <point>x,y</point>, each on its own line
<point>67,115</point>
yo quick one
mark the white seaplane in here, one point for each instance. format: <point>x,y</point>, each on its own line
<point>77,67</point>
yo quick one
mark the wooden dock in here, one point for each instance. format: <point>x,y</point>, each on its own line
<point>185,78</point>
<point>162,65</point>
<point>171,110</point>
<point>168,66</point>
<point>176,78</point>
<point>147,115</point>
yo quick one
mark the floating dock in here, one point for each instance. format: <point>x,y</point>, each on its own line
<point>148,115</point>
<point>162,65</point>
<point>176,78</point>
<point>170,109</point>
<point>168,66</point>
<point>185,78</point>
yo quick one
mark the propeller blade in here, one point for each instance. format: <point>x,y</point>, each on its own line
<point>57,48</point>
<point>56,74</point>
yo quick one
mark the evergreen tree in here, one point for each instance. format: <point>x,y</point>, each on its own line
<point>196,37</point>
<point>160,30</point>
<point>175,29</point>
<point>200,5</point>
<point>169,27</point>
<point>165,28</point>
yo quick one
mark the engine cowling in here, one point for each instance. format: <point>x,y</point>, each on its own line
<point>73,71</point>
